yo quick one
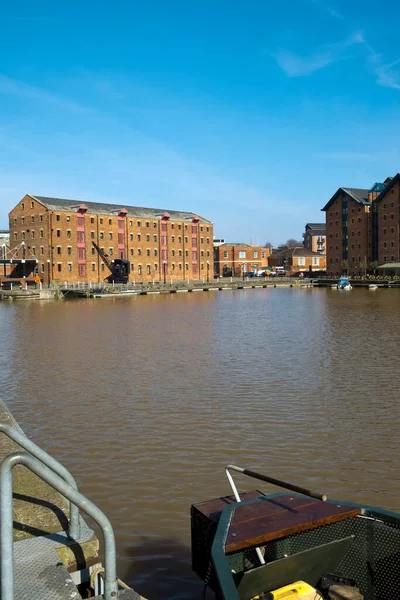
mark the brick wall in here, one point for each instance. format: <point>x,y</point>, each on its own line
<point>62,243</point>
<point>237,258</point>
<point>388,226</point>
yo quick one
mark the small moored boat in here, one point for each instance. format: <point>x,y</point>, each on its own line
<point>294,546</point>
<point>344,284</point>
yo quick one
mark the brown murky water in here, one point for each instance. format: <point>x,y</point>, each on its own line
<point>146,399</point>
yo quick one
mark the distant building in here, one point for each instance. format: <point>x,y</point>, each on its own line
<point>158,244</point>
<point>231,259</point>
<point>297,259</point>
<point>315,237</point>
<point>4,242</point>
<point>362,227</point>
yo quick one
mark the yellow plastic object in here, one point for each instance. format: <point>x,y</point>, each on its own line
<point>299,590</point>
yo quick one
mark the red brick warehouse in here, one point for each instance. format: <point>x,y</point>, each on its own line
<point>159,244</point>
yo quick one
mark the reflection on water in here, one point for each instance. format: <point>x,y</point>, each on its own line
<point>146,399</point>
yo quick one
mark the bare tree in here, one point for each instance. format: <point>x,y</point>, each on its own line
<point>291,243</point>
<point>268,245</point>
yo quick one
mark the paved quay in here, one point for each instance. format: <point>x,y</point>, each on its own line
<point>47,563</point>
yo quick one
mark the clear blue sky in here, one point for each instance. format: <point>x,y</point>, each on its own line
<point>250,113</point>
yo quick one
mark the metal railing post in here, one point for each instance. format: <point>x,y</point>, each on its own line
<point>21,439</point>
<point>55,481</point>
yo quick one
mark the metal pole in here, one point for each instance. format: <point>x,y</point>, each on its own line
<point>6,524</point>
<point>280,483</point>
<point>237,498</point>
<point>52,463</point>
<point>165,273</point>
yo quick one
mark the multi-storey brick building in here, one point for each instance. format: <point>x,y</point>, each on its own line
<point>158,244</point>
<point>385,222</point>
<point>348,230</point>
<point>362,227</point>
<point>314,237</point>
<point>297,260</point>
<point>232,259</point>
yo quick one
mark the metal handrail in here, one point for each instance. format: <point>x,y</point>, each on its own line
<point>21,439</point>
<point>64,488</point>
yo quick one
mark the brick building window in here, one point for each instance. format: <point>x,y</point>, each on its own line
<point>110,252</point>
<point>155,238</point>
<point>91,219</point>
<point>102,235</point>
<point>225,253</point>
<point>110,235</point>
<point>69,250</point>
<point>59,267</point>
<point>138,224</point>
<point>58,218</point>
<point>101,221</point>
<point>81,237</point>
<point>139,269</point>
<point>58,249</point>
<point>92,235</point>
<point>131,251</point>
<point>173,266</point>
<point>242,254</point>
<point>147,238</point>
<point>138,237</point>
<point>69,267</point>
<point>148,267</point>
<point>81,253</point>
<point>58,233</point>
<point>82,270</point>
<point>255,254</point>
<point>173,252</point>
<point>41,249</point>
<point>93,266</point>
<point>186,266</point>
<point>102,266</point>
<point>148,252</point>
<point>147,225</point>
<point>33,235</point>
<point>110,221</point>
<point>155,225</point>
<point>32,219</point>
<point>22,206</point>
<point>42,268</point>
<point>69,233</point>
<point>155,266</point>
<point>155,252</point>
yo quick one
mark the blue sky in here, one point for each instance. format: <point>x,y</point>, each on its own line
<point>250,113</point>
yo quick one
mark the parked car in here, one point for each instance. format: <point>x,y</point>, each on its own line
<point>250,274</point>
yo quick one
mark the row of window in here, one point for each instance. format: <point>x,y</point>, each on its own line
<point>242,254</point>
<point>82,268</point>
<point>121,237</point>
<point>110,220</point>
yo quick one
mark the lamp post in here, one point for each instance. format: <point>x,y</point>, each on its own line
<point>208,271</point>
<point>48,272</point>
<point>243,269</point>
<point>165,272</point>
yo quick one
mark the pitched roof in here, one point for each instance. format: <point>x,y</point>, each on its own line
<point>315,225</point>
<point>360,195</point>
<point>387,187</point>
<point>294,251</point>
<point>103,208</point>
<point>317,231</point>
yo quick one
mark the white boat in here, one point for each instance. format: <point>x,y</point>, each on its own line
<point>344,284</point>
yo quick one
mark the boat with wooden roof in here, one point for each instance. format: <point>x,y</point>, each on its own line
<point>294,545</point>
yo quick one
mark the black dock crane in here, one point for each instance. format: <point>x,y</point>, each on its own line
<point>119,267</point>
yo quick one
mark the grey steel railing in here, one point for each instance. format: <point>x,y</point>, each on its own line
<point>64,488</point>
<point>21,439</point>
